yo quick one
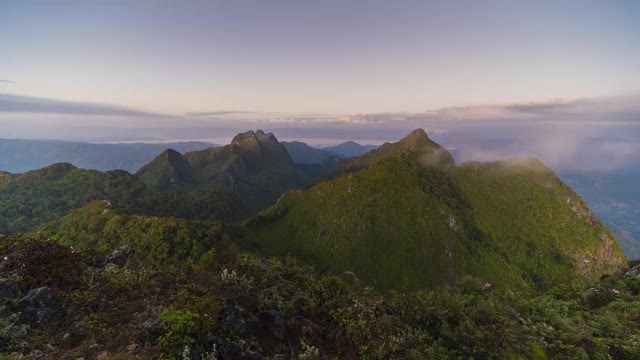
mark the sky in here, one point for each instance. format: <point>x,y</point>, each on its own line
<point>332,56</point>
<point>322,71</point>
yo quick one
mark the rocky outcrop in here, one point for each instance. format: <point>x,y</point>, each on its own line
<point>35,306</point>
<point>119,257</point>
<point>9,290</point>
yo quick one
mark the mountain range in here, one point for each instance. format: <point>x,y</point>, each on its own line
<point>239,252</point>
<point>255,166</point>
<point>19,155</point>
<point>402,216</point>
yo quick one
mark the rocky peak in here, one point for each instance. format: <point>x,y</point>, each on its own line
<point>415,139</point>
<point>259,146</point>
<point>244,139</point>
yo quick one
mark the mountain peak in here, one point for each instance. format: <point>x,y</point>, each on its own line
<point>168,171</point>
<point>417,143</point>
<point>417,133</point>
<point>252,138</point>
<point>171,154</point>
<point>416,138</point>
<point>246,138</point>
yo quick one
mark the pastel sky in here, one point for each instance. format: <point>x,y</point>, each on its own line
<point>491,79</point>
<point>317,57</point>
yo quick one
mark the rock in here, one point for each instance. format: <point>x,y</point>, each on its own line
<point>307,329</point>
<point>132,347</point>
<point>9,290</point>
<point>224,348</point>
<point>38,296</point>
<point>120,256</point>
<point>634,271</point>
<point>37,355</point>
<point>233,318</point>
<point>250,350</point>
<point>34,305</point>
<point>274,322</point>
<point>101,261</point>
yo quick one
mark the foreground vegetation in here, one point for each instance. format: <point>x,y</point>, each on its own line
<point>230,304</point>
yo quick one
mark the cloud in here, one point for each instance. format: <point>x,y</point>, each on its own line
<point>219,113</point>
<point>608,109</point>
<point>10,103</point>
<point>619,205</point>
<point>7,81</point>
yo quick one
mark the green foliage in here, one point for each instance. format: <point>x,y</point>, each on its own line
<point>155,239</point>
<point>10,332</point>
<point>178,326</point>
<point>36,197</point>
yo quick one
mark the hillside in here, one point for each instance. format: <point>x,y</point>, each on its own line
<point>101,226</point>
<point>411,219</point>
<point>168,171</point>
<point>36,197</point>
<point>20,155</point>
<point>255,166</point>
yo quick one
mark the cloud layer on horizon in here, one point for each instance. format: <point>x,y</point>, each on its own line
<point>609,109</point>
<point>11,103</point>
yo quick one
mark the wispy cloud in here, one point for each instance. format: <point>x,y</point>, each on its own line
<point>7,81</point>
<point>219,113</point>
<point>10,103</point>
<point>609,109</point>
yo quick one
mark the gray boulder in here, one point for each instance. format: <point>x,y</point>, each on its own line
<point>9,290</point>
<point>35,307</point>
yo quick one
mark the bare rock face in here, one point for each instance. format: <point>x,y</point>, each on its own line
<point>9,290</point>
<point>35,305</point>
<point>119,257</point>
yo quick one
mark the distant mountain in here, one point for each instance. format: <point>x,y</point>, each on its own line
<point>17,155</point>
<point>313,161</point>
<point>302,153</point>
<point>36,197</point>
<point>350,148</point>
<point>255,165</point>
<point>405,217</point>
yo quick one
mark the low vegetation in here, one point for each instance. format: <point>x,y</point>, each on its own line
<point>232,302</point>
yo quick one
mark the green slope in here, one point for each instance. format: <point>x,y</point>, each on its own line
<point>412,220</point>
<point>156,240</point>
<point>168,171</point>
<point>36,197</point>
